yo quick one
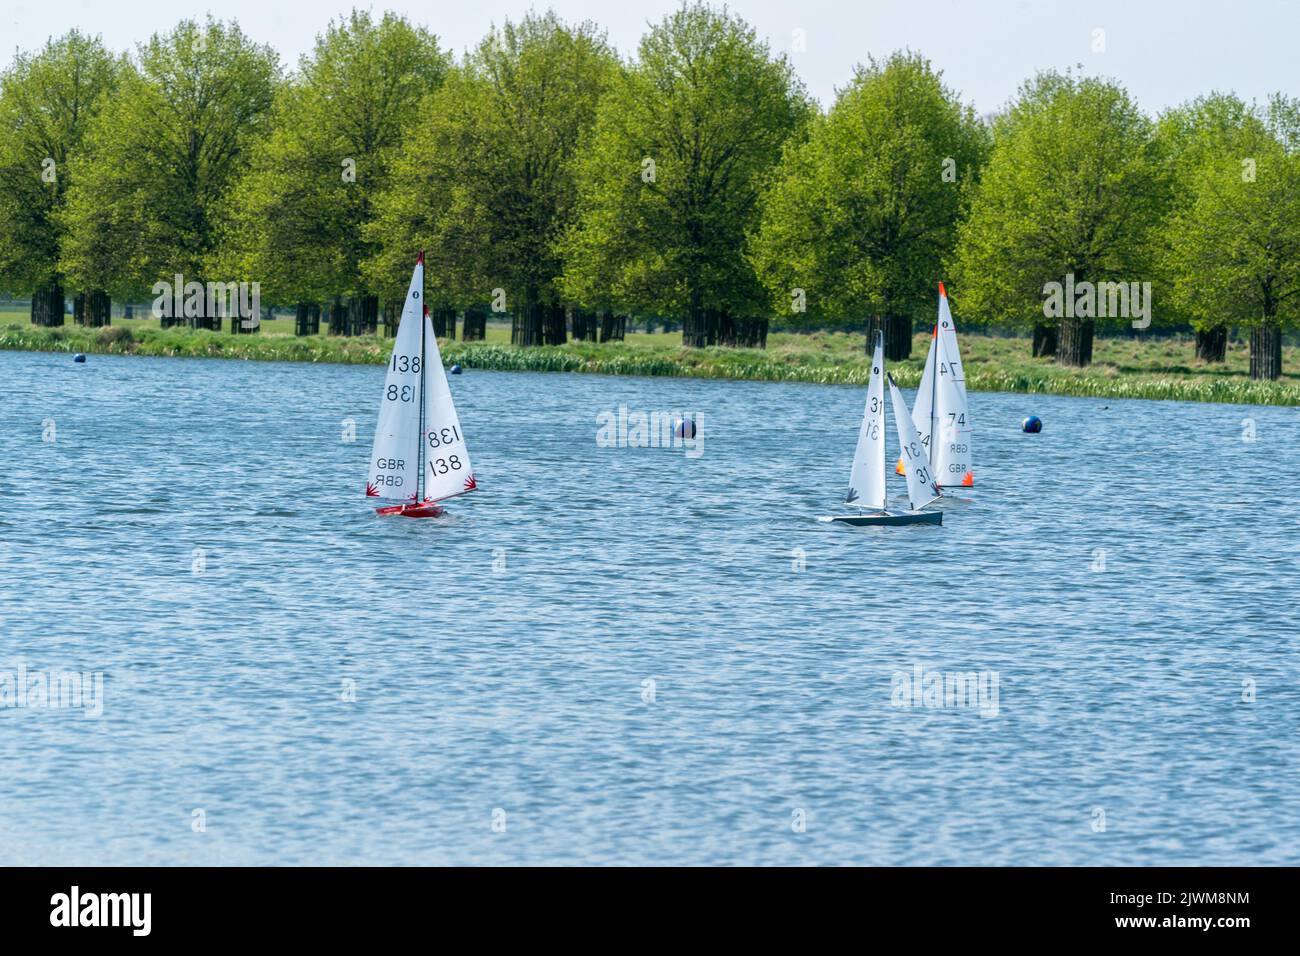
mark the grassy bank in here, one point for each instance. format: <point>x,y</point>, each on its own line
<point>1123,368</point>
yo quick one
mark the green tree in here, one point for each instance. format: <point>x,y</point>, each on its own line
<point>671,175</point>
<point>487,184</point>
<point>1072,188</point>
<point>311,187</point>
<point>47,100</point>
<point>150,191</point>
<point>1234,243</point>
<point>863,214</point>
<point>1209,128</point>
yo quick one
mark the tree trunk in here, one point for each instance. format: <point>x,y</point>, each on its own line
<point>1044,340</point>
<point>243,325</point>
<point>205,319</point>
<point>307,319</point>
<point>444,322</point>
<point>700,329</point>
<point>613,327</point>
<point>370,315</point>
<point>898,336</point>
<point>1266,350</point>
<point>528,327</point>
<point>334,316</point>
<point>364,315</point>
<point>693,328</point>
<point>748,332</point>
<point>728,331</point>
<point>1074,342</point>
<point>584,325</point>
<point>101,309</point>
<point>392,314</point>
<point>475,325</point>
<point>47,305</point>
<point>696,328</point>
<point>555,330</point>
<point>360,316</point>
<point>1212,344</point>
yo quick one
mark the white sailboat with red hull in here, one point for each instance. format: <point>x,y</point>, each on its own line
<point>867,476</point>
<point>419,457</point>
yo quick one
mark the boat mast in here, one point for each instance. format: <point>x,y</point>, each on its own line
<point>884,431</point>
<point>419,438</point>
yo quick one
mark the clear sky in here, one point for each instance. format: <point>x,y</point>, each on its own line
<point>1164,51</point>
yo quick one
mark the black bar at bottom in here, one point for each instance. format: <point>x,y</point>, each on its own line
<point>957,906</point>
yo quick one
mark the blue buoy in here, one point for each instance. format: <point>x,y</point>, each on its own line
<point>684,428</point>
<point>79,357</point>
<point>455,370</point>
<point>1033,424</point>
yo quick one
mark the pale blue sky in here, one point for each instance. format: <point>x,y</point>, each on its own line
<point>1163,51</point>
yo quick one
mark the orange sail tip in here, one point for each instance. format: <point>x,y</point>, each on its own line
<point>426,310</point>
<point>942,291</point>
<point>969,480</point>
<point>898,469</point>
<point>419,260</point>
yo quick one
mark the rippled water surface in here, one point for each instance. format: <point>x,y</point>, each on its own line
<point>196,532</point>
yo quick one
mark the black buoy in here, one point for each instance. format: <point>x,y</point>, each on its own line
<point>79,357</point>
<point>455,370</point>
<point>1033,425</point>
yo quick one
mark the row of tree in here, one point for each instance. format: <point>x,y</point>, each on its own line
<point>550,179</point>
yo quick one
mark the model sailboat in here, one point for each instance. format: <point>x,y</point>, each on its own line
<point>941,414</point>
<point>419,457</point>
<point>867,477</point>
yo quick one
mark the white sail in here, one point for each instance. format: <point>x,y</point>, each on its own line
<point>867,478</point>
<point>950,448</point>
<point>923,408</point>
<point>921,489</point>
<point>447,470</point>
<point>947,334</point>
<point>395,458</point>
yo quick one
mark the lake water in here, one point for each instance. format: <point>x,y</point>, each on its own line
<point>631,654</point>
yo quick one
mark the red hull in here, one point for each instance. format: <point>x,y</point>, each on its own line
<point>427,510</point>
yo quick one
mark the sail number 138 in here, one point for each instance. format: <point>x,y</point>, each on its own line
<point>443,436</point>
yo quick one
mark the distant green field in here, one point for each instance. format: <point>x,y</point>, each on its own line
<point>1153,368</point>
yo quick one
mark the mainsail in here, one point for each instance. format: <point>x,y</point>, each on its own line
<point>950,446</point>
<point>867,478</point>
<point>950,453</point>
<point>921,489</point>
<point>419,433</point>
<point>395,457</point>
